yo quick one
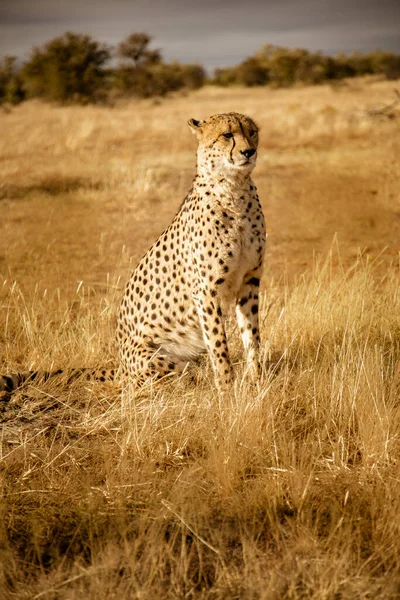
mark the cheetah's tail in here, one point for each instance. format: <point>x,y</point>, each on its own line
<point>10,383</point>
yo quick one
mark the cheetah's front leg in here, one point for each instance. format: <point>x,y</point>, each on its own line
<point>247,316</point>
<point>212,325</point>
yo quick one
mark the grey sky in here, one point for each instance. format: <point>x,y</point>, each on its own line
<point>212,32</point>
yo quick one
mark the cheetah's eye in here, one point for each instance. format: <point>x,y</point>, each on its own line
<point>228,136</point>
<point>252,132</point>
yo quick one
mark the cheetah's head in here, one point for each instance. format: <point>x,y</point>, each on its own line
<point>227,143</point>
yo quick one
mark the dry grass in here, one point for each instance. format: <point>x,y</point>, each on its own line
<point>290,491</point>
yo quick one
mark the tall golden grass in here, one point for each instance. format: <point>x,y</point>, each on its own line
<point>289,490</point>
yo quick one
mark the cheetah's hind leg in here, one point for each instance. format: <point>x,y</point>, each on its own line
<point>149,365</point>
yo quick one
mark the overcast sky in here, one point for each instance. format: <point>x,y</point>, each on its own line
<point>211,32</point>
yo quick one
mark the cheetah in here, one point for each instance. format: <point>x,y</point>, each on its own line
<point>209,259</point>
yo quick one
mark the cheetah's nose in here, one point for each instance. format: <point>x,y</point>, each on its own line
<point>248,153</point>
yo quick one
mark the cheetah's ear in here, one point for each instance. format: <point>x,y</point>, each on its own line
<point>195,126</point>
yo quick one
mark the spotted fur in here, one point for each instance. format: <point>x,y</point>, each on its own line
<point>208,260</point>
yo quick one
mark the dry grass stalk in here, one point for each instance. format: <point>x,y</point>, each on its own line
<point>291,489</point>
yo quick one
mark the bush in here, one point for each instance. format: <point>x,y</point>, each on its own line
<point>287,66</point>
<point>225,77</point>
<point>283,67</point>
<point>251,72</point>
<point>68,69</point>
<point>157,79</point>
<point>72,68</point>
<point>193,77</point>
<point>143,73</point>
<point>386,63</point>
<point>11,91</point>
<point>136,49</point>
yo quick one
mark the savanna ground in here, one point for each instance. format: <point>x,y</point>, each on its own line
<point>290,491</point>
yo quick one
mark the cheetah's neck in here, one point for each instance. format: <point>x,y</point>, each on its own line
<point>230,190</point>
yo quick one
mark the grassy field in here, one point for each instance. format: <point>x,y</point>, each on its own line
<point>292,490</point>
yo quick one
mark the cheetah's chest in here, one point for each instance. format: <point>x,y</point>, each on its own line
<point>241,253</point>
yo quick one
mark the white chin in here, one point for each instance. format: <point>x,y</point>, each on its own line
<point>227,166</point>
<point>247,166</point>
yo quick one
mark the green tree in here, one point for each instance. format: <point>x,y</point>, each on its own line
<point>343,66</point>
<point>68,68</point>
<point>283,66</point>
<point>193,76</point>
<point>386,63</point>
<point>252,72</point>
<point>11,90</point>
<point>137,72</point>
<point>143,73</point>
<point>225,76</point>
<point>135,48</point>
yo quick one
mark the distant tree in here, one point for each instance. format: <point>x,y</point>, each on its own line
<point>252,72</point>
<point>225,76</point>
<point>143,73</point>
<point>73,68</point>
<point>11,90</point>
<point>311,68</point>
<point>386,63</point>
<point>361,64</point>
<point>134,75</point>
<point>343,66</point>
<point>68,68</point>
<point>193,76</point>
<point>157,79</point>
<point>283,66</point>
<point>136,49</point>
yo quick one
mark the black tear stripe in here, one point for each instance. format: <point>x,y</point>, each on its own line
<point>233,145</point>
